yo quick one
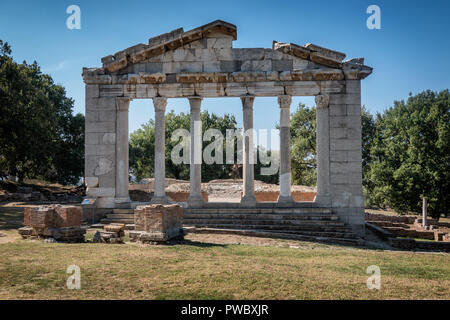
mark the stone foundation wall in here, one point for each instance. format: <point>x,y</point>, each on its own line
<point>272,196</point>
<point>144,196</point>
<point>382,217</point>
<point>410,244</point>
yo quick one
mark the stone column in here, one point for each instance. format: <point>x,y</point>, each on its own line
<point>248,198</point>
<point>285,149</point>
<point>323,150</point>
<point>424,212</point>
<point>122,198</point>
<point>195,196</point>
<point>159,195</point>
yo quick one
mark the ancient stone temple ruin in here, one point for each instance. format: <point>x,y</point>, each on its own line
<point>202,63</point>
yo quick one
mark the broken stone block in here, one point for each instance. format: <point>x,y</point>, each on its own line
<point>56,221</point>
<point>157,223</point>
<point>103,236</point>
<point>26,232</point>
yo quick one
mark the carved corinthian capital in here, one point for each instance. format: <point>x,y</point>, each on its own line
<point>160,103</point>
<point>322,101</point>
<point>247,101</point>
<point>284,101</point>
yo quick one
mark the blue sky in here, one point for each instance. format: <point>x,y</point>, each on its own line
<point>409,54</point>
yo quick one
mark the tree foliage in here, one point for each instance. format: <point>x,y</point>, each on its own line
<point>39,136</point>
<point>142,146</point>
<point>303,146</point>
<point>411,154</point>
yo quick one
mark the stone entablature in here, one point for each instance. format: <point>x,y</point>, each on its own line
<point>182,64</point>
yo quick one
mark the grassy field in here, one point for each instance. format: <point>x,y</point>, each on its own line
<point>198,269</point>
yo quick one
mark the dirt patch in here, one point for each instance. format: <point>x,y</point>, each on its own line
<point>255,241</point>
<point>227,189</point>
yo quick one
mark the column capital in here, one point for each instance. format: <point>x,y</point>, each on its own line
<point>247,101</point>
<point>195,102</point>
<point>160,103</point>
<point>122,104</point>
<point>322,101</point>
<point>285,101</point>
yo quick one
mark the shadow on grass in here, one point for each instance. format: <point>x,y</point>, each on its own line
<point>11,218</point>
<point>197,244</point>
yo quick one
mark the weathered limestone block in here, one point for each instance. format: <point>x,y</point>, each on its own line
<point>211,66</point>
<point>158,222</point>
<point>257,65</point>
<point>235,90</point>
<point>248,54</point>
<point>175,90</point>
<point>265,89</point>
<point>248,76</point>
<point>202,77</point>
<point>209,90</point>
<point>215,43</point>
<point>302,88</point>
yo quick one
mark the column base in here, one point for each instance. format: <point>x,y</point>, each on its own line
<point>159,200</point>
<point>248,201</point>
<point>195,201</point>
<point>285,200</point>
<point>122,203</point>
<point>323,200</point>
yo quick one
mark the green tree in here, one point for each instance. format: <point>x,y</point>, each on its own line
<point>368,125</point>
<point>142,147</point>
<point>411,154</point>
<point>303,146</point>
<point>39,136</point>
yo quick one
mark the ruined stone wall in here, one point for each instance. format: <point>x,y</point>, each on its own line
<point>100,147</point>
<point>346,155</point>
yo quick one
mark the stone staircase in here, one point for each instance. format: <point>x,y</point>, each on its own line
<point>125,216</point>
<point>309,224</point>
<point>297,223</point>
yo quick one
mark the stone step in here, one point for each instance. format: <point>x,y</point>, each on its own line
<point>224,210</point>
<point>120,216</point>
<point>295,223</point>
<point>280,235</point>
<point>117,220</point>
<point>282,228</point>
<point>262,205</point>
<point>123,211</point>
<point>262,216</point>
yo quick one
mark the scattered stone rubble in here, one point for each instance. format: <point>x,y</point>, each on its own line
<point>157,223</point>
<point>57,222</point>
<point>112,233</point>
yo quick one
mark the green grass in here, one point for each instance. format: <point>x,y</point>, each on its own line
<point>11,218</point>
<point>201,270</point>
<point>36,270</point>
